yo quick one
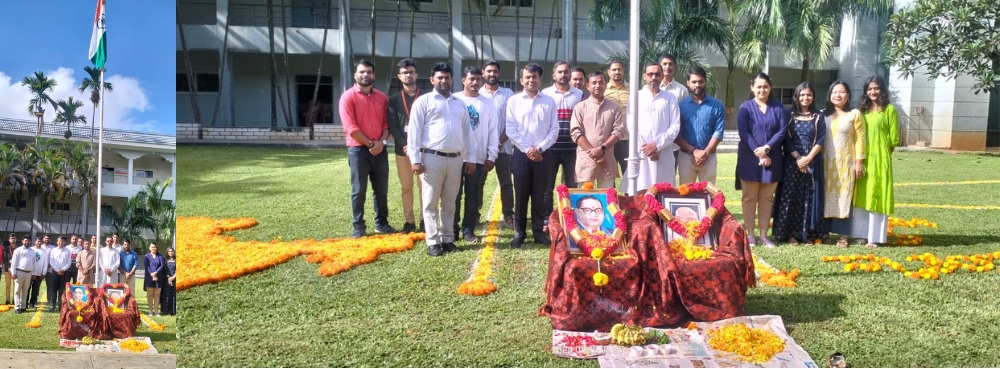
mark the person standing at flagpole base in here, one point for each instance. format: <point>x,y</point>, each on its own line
<point>656,132</point>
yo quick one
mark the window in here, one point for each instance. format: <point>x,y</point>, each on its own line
<point>205,82</point>
<point>784,95</point>
<point>59,206</point>
<point>142,173</point>
<point>182,83</point>
<point>523,3</point>
<point>20,204</point>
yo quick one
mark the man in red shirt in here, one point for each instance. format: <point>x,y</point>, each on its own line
<point>363,114</point>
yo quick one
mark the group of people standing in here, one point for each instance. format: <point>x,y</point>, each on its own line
<point>821,172</point>
<point>76,261</point>
<point>451,141</point>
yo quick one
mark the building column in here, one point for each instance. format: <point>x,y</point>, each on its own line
<point>131,156</point>
<point>458,37</point>
<point>226,112</point>
<point>859,50</point>
<point>346,67</point>
<point>569,31</point>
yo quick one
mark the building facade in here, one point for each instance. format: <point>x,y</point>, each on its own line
<point>544,32</point>
<point>130,161</point>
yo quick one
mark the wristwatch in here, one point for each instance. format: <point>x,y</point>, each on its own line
<point>371,144</point>
<point>602,148</point>
<point>385,142</point>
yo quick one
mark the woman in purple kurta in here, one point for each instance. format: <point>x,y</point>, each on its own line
<point>154,279</point>
<point>759,163</point>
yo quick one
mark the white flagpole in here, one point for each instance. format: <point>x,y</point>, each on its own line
<point>632,167</point>
<point>100,182</point>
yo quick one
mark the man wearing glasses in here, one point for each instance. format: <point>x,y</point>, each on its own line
<point>399,114</point>
<point>656,132</point>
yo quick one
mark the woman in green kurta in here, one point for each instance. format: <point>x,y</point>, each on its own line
<point>873,201</point>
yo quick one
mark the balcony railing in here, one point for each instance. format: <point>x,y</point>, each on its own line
<point>123,179</point>
<point>82,133</point>
<point>294,16</point>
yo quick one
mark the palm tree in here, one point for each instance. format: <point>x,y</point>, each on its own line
<point>79,164</point>
<point>51,171</point>
<point>161,211</point>
<point>129,221</point>
<point>192,94</point>
<point>222,64</point>
<point>67,113</point>
<point>92,82</point>
<point>12,177</point>
<point>40,85</point>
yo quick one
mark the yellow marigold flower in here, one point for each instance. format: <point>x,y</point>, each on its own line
<point>597,254</point>
<point>600,279</point>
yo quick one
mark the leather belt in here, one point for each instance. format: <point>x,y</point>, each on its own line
<point>22,270</point>
<point>439,153</point>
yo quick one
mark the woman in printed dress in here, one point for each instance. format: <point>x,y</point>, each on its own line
<point>799,200</point>
<point>874,199</point>
<point>843,159</point>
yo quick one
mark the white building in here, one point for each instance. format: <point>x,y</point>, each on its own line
<point>131,160</point>
<point>957,119</point>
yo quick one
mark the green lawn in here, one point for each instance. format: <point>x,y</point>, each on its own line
<point>403,310</point>
<point>17,336</point>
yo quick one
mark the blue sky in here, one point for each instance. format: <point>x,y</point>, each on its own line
<point>53,36</point>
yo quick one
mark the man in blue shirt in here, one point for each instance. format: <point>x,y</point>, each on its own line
<point>128,265</point>
<point>702,119</point>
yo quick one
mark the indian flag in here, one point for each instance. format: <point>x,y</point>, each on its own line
<point>98,41</point>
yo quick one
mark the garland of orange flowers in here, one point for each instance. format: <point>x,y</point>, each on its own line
<point>152,325</point>
<point>597,245</point>
<point>774,277</point>
<point>479,283</point>
<point>908,239</point>
<point>36,321</point>
<point>5,308</point>
<point>933,266</point>
<point>753,345</point>
<point>684,247</point>
<point>210,256</point>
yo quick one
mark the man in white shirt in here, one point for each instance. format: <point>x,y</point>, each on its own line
<point>118,245</point>
<point>22,264</point>
<point>58,276</point>
<point>564,150</point>
<point>499,95</point>
<point>532,126</point>
<point>656,132</point>
<point>108,261</point>
<point>669,84</point>
<point>483,122</point>
<point>39,272</point>
<point>440,143</point>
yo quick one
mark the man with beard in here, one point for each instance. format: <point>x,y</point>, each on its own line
<point>532,125</point>
<point>564,150</point>
<point>596,127</point>
<point>399,115</point>
<point>440,139</point>
<point>578,79</point>
<point>702,122</point>
<point>363,114</point>
<point>656,132</point>
<point>499,95</point>
<point>669,84</point>
<point>483,120</point>
<point>618,91</point>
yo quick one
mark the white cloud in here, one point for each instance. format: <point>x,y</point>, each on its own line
<point>127,99</point>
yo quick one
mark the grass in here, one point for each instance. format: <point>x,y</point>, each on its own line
<point>17,336</point>
<point>403,310</point>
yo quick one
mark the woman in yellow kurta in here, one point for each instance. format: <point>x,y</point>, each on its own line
<point>874,199</point>
<point>843,157</point>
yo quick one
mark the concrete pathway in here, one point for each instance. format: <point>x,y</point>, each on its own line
<point>29,359</point>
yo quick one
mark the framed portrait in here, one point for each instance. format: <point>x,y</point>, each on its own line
<point>115,294</point>
<point>591,213</point>
<point>686,209</point>
<point>80,293</point>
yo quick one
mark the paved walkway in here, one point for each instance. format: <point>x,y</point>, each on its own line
<point>28,359</point>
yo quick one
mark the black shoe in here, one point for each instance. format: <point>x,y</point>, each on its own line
<point>408,228</point>
<point>435,250</point>
<point>31,306</point>
<point>470,238</point>
<point>517,242</point>
<point>358,233</point>
<point>18,311</point>
<point>385,228</point>
<point>450,247</point>
<point>422,228</point>
<point>543,240</point>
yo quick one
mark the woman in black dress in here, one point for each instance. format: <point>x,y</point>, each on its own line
<point>799,199</point>
<point>168,305</point>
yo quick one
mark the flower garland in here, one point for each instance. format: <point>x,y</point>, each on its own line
<point>479,283</point>
<point>152,325</point>
<point>597,245</point>
<point>5,308</point>
<point>210,256</point>
<point>908,239</point>
<point>774,277</point>
<point>933,266</point>
<point>752,345</point>
<point>684,246</point>
<point>36,321</point>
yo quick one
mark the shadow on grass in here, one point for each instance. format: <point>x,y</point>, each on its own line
<point>797,307</point>
<point>959,240</point>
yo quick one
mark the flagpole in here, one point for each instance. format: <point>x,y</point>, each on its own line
<point>100,182</point>
<point>632,169</point>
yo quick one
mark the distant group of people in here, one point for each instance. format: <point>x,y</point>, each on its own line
<point>449,142</point>
<point>75,261</point>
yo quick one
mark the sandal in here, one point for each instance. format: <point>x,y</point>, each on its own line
<point>871,245</point>
<point>752,241</point>
<point>792,241</point>
<point>860,241</point>
<point>842,242</point>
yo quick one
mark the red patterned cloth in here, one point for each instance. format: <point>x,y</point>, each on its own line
<point>661,291</point>
<point>69,327</point>
<point>116,325</point>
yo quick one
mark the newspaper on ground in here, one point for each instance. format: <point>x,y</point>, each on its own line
<point>687,348</point>
<point>107,346</point>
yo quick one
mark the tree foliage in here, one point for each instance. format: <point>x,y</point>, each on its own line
<point>948,37</point>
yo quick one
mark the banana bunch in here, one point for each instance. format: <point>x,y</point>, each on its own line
<point>91,341</point>
<point>628,335</point>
